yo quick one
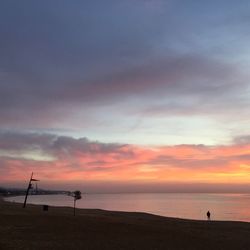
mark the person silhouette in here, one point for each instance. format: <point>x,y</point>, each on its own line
<point>208,215</point>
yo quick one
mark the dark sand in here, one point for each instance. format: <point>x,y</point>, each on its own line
<point>32,228</point>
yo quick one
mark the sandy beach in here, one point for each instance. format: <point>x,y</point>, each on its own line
<point>33,228</point>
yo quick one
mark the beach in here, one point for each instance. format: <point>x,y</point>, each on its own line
<point>33,228</point>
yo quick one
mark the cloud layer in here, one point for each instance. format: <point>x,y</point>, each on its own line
<point>63,159</point>
<point>65,65</point>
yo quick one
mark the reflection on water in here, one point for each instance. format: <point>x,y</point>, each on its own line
<point>192,206</point>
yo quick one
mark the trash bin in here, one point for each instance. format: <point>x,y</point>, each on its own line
<point>45,207</point>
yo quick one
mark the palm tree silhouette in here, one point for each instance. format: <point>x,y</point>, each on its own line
<point>77,196</point>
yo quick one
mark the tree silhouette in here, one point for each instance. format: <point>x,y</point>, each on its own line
<point>77,196</point>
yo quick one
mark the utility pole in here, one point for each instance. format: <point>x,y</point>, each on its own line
<point>28,189</point>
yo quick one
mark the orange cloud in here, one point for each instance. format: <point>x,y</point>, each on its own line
<point>83,160</point>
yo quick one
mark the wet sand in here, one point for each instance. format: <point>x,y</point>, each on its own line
<point>32,228</point>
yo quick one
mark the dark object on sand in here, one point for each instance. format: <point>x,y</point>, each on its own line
<point>45,208</point>
<point>208,215</point>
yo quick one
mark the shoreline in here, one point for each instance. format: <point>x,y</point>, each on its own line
<point>33,228</point>
<point>41,202</point>
<point>31,205</point>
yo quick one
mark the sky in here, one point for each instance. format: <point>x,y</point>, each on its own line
<point>135,95</point>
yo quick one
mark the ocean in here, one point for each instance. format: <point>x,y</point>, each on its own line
<point>233,207</point>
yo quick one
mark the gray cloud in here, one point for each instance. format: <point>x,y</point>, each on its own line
<point>242,139</point>
<point>57,55</point>
<point>16,141</point>
<point>59,146</point>
<point>63,147</point>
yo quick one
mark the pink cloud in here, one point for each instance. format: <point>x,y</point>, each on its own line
<point>84,160</point>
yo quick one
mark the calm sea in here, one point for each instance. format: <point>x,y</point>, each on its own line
<point>192,206</point>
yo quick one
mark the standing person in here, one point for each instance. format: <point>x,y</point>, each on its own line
<point>208,215</point>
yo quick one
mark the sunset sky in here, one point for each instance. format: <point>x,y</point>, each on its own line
<point>135,95</point>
